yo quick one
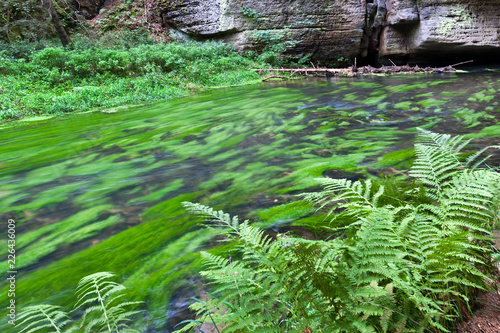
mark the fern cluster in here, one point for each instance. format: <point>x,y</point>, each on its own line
<point>399,265</point>
<point>97,296</point>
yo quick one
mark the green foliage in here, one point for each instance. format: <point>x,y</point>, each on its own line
<point>20,49</point>
<point>400,265</point>
<point>39,317</point>
<point>250,13</point>
<point>101,300</point>
<point>127,15</point>
<point>29,20</point>
<point>97,295</point>
<point>273,45</point>
<point>22,19</point>
<point>54,80</point>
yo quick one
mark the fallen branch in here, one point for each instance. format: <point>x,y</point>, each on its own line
<point>276,77</point>
<point>461,63</point>
<point>351,71</point>
<point>302,70</point>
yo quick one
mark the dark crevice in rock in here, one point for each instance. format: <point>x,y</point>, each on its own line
<point>376,12</point>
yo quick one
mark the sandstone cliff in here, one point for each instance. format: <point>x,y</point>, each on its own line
<point>325,29</point>
<point>334,30</point>
<point>441,28</point>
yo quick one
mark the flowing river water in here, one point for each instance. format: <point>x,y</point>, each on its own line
<point>102,191</point>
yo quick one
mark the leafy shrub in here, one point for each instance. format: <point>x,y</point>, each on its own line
<point>20,49</point>
<point>397,266</point>
<point>116,40</point>
<point>51,57</point>
<point>51,81</point>
<point>274,44</point>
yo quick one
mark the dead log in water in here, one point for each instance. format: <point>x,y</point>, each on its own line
<point>351,71</point>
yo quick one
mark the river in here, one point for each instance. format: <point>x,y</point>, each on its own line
<point>102,191</point>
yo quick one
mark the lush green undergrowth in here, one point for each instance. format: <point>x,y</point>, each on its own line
<point>39,80</point>
<point>409,259</point>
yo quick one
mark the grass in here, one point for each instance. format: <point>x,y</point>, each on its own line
<point>46,81</point>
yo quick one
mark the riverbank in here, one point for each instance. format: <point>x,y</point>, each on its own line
<point>46,81</point>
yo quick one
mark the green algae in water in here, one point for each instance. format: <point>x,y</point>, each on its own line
<point>471,117</point>
<point>100,192</point>
<point>487,132</point>
<point>157,195</point>
<point>402,159</point>
<point>284,214</point>
<point>406,105</point>
<point>430,102</point>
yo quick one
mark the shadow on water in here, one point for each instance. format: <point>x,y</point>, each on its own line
<point>103,192</point>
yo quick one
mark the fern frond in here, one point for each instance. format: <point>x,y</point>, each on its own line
<point>39,317</point>
<point>97,295</point>
<point>357,198</point>
<point>443,142</point>
<point>434,168</point>
<point>218,217</point>
<point>400,265</point>
<point>469,162</point>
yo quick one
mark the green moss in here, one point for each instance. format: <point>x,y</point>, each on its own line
<point>471,117</point>
<point>49,197</point>
<point>429,94</point>
<point>364,84</point>
<point>306,171</point>
<point>350,97</point>
<point>47,245</point>
<point>375,99</point>
<point>407,87</point>
<point>164,223</point>
<point>482,96</point>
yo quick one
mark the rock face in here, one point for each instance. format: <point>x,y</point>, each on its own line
<point>333,30</point>
<point>325,29</point>
<point>441,28</point>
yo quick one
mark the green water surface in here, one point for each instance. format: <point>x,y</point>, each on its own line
<point>103,191</point>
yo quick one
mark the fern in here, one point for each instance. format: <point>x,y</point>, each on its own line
<point>41,317</point>
<point>402,265</point>
<point>98,295</point>
<point>103,310</point>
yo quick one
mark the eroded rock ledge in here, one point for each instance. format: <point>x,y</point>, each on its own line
<point>445,28</point>
<point>325,29</point>
<point>335,30</point>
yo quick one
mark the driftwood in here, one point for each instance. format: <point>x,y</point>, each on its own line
<point>269,77</point>
<point>351,71</point>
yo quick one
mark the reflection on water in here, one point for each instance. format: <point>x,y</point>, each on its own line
<point>103,191</point>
